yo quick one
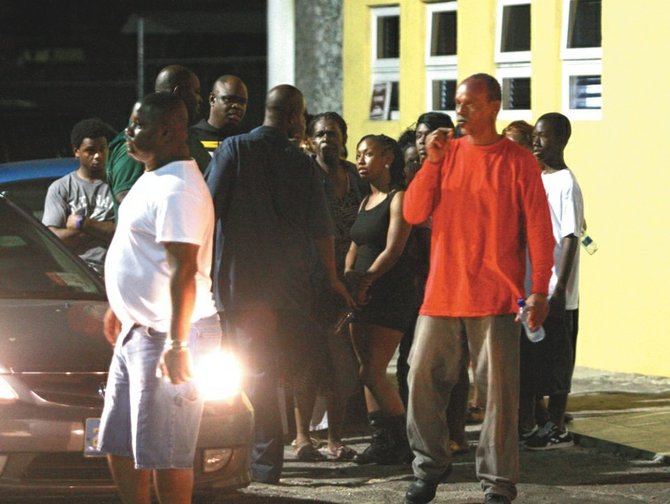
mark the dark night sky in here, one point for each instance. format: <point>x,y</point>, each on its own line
<point>63,60</point>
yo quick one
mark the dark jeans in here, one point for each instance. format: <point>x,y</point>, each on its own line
<point>275,347</point>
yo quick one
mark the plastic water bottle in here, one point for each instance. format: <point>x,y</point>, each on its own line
<point>589,244</point>
<point>533,336</point>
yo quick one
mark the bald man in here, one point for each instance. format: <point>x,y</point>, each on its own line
<point>227,106</point>
<point>485,196</point>
<point>162,315</point>
<point>122,169</point>
<point>272,223</point>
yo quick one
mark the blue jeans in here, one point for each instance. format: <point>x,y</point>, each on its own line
<point>145,416</point>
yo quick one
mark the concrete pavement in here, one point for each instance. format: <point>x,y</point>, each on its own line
<point>621,413</point>
<point>622,429</point>
<point>621,426</point>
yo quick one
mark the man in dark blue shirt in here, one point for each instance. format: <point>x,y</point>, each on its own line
<point>271,216</point>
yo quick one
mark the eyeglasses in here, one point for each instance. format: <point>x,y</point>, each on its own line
<point>230,99</point>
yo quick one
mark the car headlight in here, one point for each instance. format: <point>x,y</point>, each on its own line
<point>219,376</point>
<point>7,393</point>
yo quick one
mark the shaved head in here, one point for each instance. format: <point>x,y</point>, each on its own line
<point>227,103</point>
<point>232,80</point>
<point>181,81</point>
<point>172,76</point>
<point>285,109</point>
<point>284,99</point>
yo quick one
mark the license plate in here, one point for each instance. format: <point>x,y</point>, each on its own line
<point>91,438</point>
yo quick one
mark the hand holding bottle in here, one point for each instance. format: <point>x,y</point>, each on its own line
<point>534,335</point>
<point>536,310</point>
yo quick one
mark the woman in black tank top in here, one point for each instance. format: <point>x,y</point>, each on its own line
<point>378,270</point>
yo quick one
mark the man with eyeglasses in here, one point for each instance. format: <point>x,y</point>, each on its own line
<point>228,104</point>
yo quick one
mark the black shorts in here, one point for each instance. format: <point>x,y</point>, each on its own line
<point>391,306</point>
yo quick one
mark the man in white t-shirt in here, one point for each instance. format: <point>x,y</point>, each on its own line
<point>547,366</point>
<point>162,313</point>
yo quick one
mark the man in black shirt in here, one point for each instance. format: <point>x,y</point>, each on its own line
<point>228,104</point>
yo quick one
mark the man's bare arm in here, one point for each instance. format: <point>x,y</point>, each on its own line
<point>182,260</point>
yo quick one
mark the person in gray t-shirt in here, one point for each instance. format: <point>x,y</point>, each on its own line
<point>78,207</point>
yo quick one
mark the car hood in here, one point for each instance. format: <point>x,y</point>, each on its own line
<point>53,336</point>
<point>36,169</point>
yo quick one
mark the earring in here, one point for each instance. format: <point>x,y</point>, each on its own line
<point>387,166</point>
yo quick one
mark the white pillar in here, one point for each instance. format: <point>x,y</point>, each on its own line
<point>281,42</point>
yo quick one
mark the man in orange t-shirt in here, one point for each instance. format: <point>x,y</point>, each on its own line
<point>488,205</point>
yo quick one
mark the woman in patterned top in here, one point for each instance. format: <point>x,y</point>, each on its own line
<point>327,134</point>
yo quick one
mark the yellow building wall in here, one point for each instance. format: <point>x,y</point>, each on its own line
<point>621,161</point>
<point>622,164</point>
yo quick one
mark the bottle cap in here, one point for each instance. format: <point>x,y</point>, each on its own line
<point>521,302</point>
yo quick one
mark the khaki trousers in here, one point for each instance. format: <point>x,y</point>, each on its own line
<point>435,360</point>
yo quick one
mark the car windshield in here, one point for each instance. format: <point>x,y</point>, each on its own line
<point>34,265</point>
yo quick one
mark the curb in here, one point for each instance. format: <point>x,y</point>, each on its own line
<point>622,450</point>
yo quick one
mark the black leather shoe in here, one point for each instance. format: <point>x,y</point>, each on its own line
<point>496,499</point>
<point>423,491</point>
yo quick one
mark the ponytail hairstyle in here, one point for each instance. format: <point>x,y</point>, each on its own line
<point>386,143</point>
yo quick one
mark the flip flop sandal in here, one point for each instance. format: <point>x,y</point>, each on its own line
<point>307,453</point>
<point>342,452</point>
<point>315,442</point>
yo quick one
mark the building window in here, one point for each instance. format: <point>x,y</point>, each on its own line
<point>513,31</point>
<point>512,56</point>
<point>385,32</point>
<point>388,37</point>
<point>441,59</point>
<point>581,52</point>
<point>443,32</point>
<point>384,100</point>
<point>515,82</point>
<point>583,28</point>
<point>582,89</point>
<point>515,27</point>
<point>516,93</point>
<point>586,92</point>
<point>441,90</point>
<point>444,91</point>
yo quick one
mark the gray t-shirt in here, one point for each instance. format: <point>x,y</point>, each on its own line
<point>73,195</point>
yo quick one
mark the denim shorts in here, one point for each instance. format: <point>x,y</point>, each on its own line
<point>145,416</point>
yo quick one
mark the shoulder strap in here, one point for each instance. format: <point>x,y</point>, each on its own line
<point>363,203</point>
